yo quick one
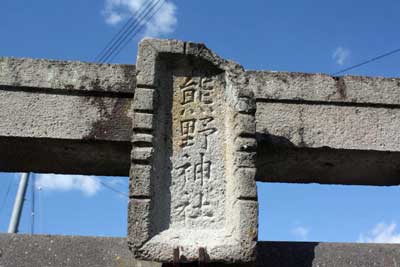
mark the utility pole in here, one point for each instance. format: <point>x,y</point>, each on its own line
<point>19,201</point>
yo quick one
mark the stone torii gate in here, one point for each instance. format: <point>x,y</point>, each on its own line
<point>195,132</point>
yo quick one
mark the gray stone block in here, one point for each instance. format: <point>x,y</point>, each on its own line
<point>142,138</point>
<point>139,226</point>
<point>142,153</point>
<point>245,125</point>
<point>144,100</point>
<point>139,184</point>
<point>67,76</point>
<point>196,126</point>
<point>142,121</point>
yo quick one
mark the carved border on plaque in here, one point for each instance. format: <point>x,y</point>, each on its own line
<point>241,206</point>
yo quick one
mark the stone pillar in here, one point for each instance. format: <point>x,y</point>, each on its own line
<point>193,191</point>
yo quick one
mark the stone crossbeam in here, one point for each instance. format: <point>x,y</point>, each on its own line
<point>195,132</point>
<point>65,117</point>
<point>75,117</point>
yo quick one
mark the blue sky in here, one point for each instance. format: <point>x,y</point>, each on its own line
<point>303,36</point>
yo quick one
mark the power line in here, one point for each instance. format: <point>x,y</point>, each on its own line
<point>139,23</point>
<point>367,61</point>
<point>120,33</point>
<point>138,29</point>
<point>134,28</point>
<point>112,188</point>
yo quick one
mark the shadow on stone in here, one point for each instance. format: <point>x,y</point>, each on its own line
<point>285,254</point>
<point>279,160</point>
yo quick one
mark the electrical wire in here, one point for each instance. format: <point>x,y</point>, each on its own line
<point>138,23</point>
<point>367,61</point>
<point>112,188</point>
<point>110,45</point>
<point>138,30</point>
<point>135,28</point>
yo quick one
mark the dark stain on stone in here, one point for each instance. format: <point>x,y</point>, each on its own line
<point>130,76</point>
<point>115,123</point>
<point>95,84</point>
<point>341,87</point>
<point>69,87</point>
<point>301,134</point>
<point>282,78</point>
<point>301,129</point>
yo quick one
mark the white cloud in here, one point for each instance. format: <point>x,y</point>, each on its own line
<point>341,55</point>
<point>381,233</point>
<point>113,18</point>
<point>88,185</point>
<point>164,22</point>
<point>301,232</point>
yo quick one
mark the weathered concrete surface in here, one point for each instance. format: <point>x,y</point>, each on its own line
<point>47,155</point>
<point>309,254</point>
<point>67,75</point>
<point>65,117</point>
<point>339,127</point>
<point>296,86</point>
<point>289,164</point>
<point>193,155</point>
<point>74,251</point>
<point>318,119</point>
<point>332,130</point>
<point>66,251</point>
<point>59,116</point>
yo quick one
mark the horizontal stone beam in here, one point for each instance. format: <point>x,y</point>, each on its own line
<point>75,117</point>
<point>330,130</point>
<point>36,250</point>
<point>65,117</point>
<point>308,87</point>
<point>67,75</point>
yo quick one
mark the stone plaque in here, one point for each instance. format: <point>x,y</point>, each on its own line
<point>193,193</point>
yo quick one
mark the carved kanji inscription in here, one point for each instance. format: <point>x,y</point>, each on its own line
<point>193,194</point>
<point>198,138</point>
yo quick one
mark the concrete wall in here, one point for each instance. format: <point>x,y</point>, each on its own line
<point>68,251</point>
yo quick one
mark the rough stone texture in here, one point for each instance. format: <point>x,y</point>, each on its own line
<point>192,138</point>
<point>67,75</point>
<point>65,251</point>
<point>339,127</point>
<point>310,254</point>
<point>331,130</point>
<point>75,118</point>
<point>74,251</point>
<point>288,164</point>
<point>65,117</point>
<point>194,189</point>
<point>324,88</point>
<point>44,155</point>
<point>43,115</point>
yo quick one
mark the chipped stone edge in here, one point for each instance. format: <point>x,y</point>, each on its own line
<point>243,149</point>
